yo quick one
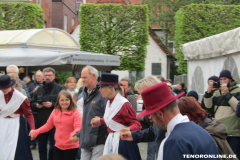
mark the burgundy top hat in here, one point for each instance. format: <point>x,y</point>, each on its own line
<point>6,82</point>
<point>156,97</point>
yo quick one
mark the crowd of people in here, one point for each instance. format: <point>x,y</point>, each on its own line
<point>95,119</point>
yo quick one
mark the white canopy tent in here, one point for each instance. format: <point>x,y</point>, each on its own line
<point>38,48</point>
<point>207,57</point>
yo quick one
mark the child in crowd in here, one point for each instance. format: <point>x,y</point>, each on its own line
<point>67,121</point>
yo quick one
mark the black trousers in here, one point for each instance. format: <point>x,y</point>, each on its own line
<point>68,154</point>
<point>42,144</point>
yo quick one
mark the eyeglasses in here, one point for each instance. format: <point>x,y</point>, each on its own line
<point>48,75</point>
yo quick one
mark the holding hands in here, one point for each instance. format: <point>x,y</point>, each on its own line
<point>126,134</point>
<point>74,138</point>
<point>95,122</point>
<point>31,135</point>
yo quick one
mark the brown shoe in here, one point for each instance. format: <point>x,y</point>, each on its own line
<point>32,147</point>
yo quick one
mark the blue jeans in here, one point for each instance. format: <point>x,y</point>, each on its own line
<point>151,151</point>
<point>234,143</point>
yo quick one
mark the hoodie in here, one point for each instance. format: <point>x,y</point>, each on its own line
<point>132,99</point>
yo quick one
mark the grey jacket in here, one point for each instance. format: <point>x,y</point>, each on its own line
<point>132,99</point>
<point>24,86</point>
<point>94,105</point>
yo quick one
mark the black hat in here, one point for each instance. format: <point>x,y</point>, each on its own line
<point>6,82</point>
<point>109,78</point>
<point>214,78</point>
<point>225,73</point>
<point>193,94</point>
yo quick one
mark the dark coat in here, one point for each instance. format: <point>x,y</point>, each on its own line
<point>94,105</point>
<point>189,138</point>
<point>148,135</point>
<point>32,87</point>
<point>132,99</point>
<point>47,92</point>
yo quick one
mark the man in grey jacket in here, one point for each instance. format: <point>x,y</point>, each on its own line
<point>92,139</point>
<point>126,83</point>
<point>14,69</point>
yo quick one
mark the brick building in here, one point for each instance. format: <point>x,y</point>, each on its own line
<point>64,14</point>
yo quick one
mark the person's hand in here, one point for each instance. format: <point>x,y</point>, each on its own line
<point>47,104</point>
<point>39,106</point>
<point>95,122</point>
<point>31,135</point>
<point>74,138</point>
<point>224,89</point>
<point>126,134</point>
<point>210,87</point>
<point>35,89</point>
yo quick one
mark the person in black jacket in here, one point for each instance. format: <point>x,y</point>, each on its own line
<point>43,102</point>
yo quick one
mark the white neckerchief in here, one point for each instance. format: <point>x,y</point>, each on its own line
<point>13,105</point>
<point>175,121</point>
<point>112,110</point>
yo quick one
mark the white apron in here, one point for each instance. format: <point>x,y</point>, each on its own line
<point>112,142</point>
<point>9,126</point>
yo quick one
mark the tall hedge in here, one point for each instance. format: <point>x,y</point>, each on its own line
<point>20,15</point>
<point>197,21</point>
<point>116,30</point>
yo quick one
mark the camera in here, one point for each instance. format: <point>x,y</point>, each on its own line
<point>216,84</point>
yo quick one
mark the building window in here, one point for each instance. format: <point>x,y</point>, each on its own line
<point>65,23</point>
<point>156,69</point>
<point>73,22</point>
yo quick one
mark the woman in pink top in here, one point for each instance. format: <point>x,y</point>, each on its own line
<point>67,121</point>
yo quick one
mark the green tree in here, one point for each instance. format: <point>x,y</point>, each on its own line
<point>20,15</point>
<point>162,12</point>
<point>116,30</point>
<point>197,21</point>
<point>62,76</point>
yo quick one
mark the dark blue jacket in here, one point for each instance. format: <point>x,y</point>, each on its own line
<point>32,87</point>
<point>149,135</point>
<point>189,138</point>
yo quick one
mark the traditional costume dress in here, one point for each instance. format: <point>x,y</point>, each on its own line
<point>119,114</point>
<point>14,140</point>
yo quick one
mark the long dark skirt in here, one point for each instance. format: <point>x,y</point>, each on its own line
<point>129,150</point>
<point>23,151</point>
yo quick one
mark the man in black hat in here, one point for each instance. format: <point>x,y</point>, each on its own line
<point>225,100</point>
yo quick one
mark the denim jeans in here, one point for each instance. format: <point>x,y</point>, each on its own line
<point>151,151</point>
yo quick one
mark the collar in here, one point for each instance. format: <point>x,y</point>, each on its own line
<point>111,100</point>
<point>9,93</point>
<point>179,118</point>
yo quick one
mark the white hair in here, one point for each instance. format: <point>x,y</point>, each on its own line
<point>92,70</point>
<point>27,79</point>
<point>13,66</point>
<point>39,72</point>
<point>148,81</point>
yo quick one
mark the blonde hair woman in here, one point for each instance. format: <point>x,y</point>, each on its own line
<point>70,85</point>
<point>17,86</point>
<point>119,116</point>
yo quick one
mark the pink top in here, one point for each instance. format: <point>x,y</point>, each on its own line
<point>67,124</point>
<point>126,116</point>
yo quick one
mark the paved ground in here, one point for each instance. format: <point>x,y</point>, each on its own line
<point>142,149</point>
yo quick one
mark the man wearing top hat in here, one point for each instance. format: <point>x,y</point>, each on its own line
<point>13,137</point>
<point>183,138</point>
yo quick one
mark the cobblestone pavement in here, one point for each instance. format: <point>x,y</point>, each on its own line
<point>142,149</point>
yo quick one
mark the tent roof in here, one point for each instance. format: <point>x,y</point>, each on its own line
<point>214,46</point>
<point>48,37</point>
